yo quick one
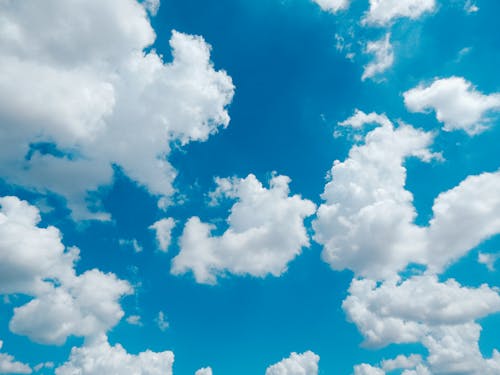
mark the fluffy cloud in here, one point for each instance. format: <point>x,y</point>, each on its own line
<point>383,12</point>
<point>266,231</point>
<point>333,5</point>
<point>297,364</point>
<point>34,262</point>
<point>440,315</point>
<point>8,365</point>
<point>402,312</point>
<point>163,229</point>
<point>457,103</point>
<point>366,223</point>
<point>383,57</point>
<point>99,357</point>
<point>71,105</point>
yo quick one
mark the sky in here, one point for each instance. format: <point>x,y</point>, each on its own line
<point>275,187</point>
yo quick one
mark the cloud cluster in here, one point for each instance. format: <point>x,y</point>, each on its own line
<point>297,364</point>
<point>99,357</point>
<point>80,95</point>
<point>366,222</point>
<point>440,315</point>
<point>457,104</point>
<point>266,231</point>
<point>8,365</point>
<point>34,262</point>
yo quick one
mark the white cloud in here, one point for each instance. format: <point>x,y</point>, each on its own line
<point>266,231</point>
<point>411,365</point>
<point>402,312</point>
<point>456,103</point>
<point>384,12</point>
<point>134,320</point>
<point>366,369</point>
<point>99,357</point>
<point>440,315</point>
<point>43,365</point>
<point>33,261</point>
<point>204,371</point>
<point>488,260</point>
<point>163,229</point>
<point>87,92</point>
<point>366,223</point>
<point>134,244</point>
<point>297,364</point>
<point>333,6</point>
<point>152,6</point>
<point>162,322</point>
<point>8,365</point>
<point>383,57</point>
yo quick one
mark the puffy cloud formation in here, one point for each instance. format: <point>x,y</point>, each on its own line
<point>8,365</point>
<point>333,5</point>
<point>366,223</point>
<point>297,364</point>
<point>383,57</point>
<point>204,371</point>
<point>266,231</point>
<point>421,309</point>
<point>73,107</point>
<point>384,12</point>
<point>99,357</point>
<point>402,312</point>
<point>457,103</point>
<point>34,261</point>
<point>163,229</point>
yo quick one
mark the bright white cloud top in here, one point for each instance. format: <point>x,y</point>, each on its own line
<point>384,12</point>
<point>366,223</point>
<point>456,102</point>
<point>297,364</point>
<point>99,98</point>
<point>266,231</point>
<point>163,229</point>
<point>98,357</point>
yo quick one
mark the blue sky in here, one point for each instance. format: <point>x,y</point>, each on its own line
<point>220,121</point>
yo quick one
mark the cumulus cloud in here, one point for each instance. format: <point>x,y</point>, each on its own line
<point>99,357</point>
<point>8,365</point>
<point>440,315</point>
<point>266,231</point>
<point>384,12</point>
<point>34,261</point>
<point>163,229</point>
<point>456,102</point>
<point>297,364</point>
<point>74,107</point>
<point>333,6</point>
<point>403,312</point>
<point>383,57</point>
<point>366,222</point>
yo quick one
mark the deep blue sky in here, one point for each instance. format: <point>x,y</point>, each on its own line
<point>292,87</point>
